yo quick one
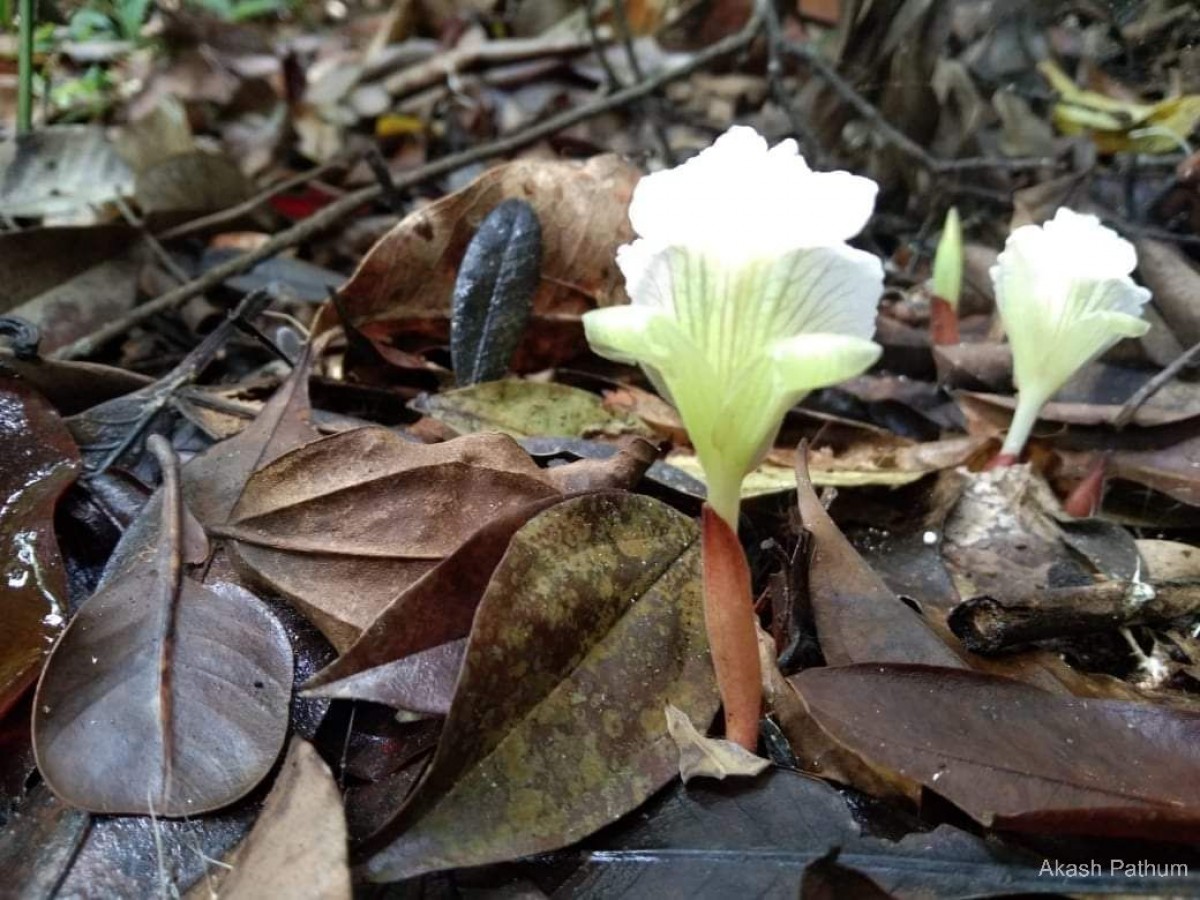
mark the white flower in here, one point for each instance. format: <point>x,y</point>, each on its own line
<point>1064,292</point>
<point>745,295</point>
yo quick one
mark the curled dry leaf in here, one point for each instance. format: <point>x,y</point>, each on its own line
<point>163,695</point>
<point>591,624</point>
<point>39,462</point>
<point>421,683</point>
<point>213,481</point>
<point>1014,756</point>
<point>816,752</point>
<point>73,387</point>
<point>404,284</point>
<point>705,757</point>
<point>437,609</point>
<point>344,524</point>
<point>1173,404</point>
<point>297,848</point>
<point>858,618</point>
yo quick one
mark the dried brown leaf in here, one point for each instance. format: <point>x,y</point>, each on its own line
<point>858,618</point>
<point>1013,756</point>
<point>163,696</point>
<point>405,282</point>
<point>297,848</point>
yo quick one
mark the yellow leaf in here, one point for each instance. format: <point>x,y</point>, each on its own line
<point>396,125</point>
<point>1119,126</point>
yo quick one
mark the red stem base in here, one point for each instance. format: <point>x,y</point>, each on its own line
<point>943,322</point>
<point>729,618</point>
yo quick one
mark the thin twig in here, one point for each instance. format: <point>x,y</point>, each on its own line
<point>445,65</point>
<point>613,83</point>
<point>647,105</point>
<point>1154,385</point>
<point>163,391</point>
<point>157,249</point>
<point>246,207</point>
<point>810,144</point>
<point>350,203</point>
<point>893,135</point>
<point>392,197</point>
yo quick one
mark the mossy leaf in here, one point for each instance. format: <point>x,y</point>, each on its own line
<point>591,624</point>
<point>527,409</point>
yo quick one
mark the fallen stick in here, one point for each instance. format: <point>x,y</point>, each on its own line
<point>987,625</point>
<point>1154,385</point>
<point>810,55</point>
<point>339,209</point>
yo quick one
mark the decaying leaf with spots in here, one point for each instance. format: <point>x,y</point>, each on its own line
<point>527,409</point>
<point>592,623</point>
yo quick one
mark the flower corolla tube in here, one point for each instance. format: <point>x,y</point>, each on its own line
<point>1065,295</point>
<point>745,295</point>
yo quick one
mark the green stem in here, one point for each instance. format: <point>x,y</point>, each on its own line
<point>25,67</point>
<point>1026,416</point>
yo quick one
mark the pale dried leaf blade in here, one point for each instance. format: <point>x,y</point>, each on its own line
<point>297,848</point>
<point>705,757</point>
<point>213,482</point>
<point>342,525</point>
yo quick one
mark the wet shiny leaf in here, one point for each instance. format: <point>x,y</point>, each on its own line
<point>38,462</point>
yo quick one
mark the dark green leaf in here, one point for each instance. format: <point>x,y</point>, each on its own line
<point>493,295</point>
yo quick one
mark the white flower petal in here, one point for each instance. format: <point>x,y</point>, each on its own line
<point>1059,315</point>
<point>646,283</point>
<point>629,334</point>
<point>1087,247</point>
<point>734,313</point>
<point>806,362</point>
<point>1065,295</point>
<point>765,390</point>
<point>739,200</point>
<point>832,290</point>
<point>740,256</point>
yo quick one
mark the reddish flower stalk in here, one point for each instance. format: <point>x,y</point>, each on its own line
<point>943,322</point>
<point>729,618</point>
